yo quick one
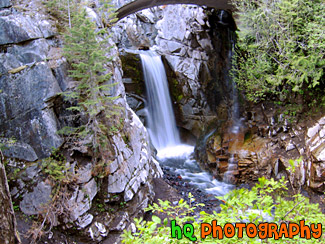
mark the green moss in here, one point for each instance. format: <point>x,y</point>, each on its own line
<point>176,90</point>
<point>248,136</point>
<point>132,68</point>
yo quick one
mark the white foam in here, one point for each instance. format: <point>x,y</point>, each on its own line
<point>178,151</point>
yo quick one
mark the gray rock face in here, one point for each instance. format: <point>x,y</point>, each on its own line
<point>27,90</point>
<point>134,161</point>
<point>16,29</point>
<point>33,202</point>
<point>21,151</point>
<point>81,200</point>
<point>33,72</point>
<point>187,48</point>
<point>26,114</point>
<point>28,84</point>
<point>5,3</point>
<point>316,141</point>
<point>35,51</point>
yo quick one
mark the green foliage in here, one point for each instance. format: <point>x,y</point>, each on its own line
<point>56,170</point>
<point>15,206</point>
<point>280,47</point>
<point>86,48</point>
<point>294,164</point>
<point>266,199</point>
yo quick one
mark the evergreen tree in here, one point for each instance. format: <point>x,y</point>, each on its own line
<point>86,49</point>
<point>281,48</point>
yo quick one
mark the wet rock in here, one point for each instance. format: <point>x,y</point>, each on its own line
<point>234,158</point>
<point>185,60</point>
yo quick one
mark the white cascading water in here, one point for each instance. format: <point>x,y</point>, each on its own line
<point>161,121</point>
<point>163,131</point>
<point>235,113</point>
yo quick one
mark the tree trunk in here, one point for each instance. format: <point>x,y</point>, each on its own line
<point>8,231</point>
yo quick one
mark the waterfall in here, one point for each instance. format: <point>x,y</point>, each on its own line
<point>172,155</point>
<point>235,113</point>
<point>161,120</point>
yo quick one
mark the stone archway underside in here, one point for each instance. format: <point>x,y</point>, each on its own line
<point>138,5</point>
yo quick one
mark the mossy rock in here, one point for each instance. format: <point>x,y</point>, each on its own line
<point>132,68</point>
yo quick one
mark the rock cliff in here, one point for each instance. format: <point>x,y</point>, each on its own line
<point>34,72</point>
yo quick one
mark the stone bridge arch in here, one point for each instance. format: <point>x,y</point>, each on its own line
<point>138,5</point>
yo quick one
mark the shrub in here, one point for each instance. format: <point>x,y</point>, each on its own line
<point>280,47</point>
<point>267,201</point>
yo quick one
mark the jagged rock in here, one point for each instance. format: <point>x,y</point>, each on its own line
<point>35,51</point>
<point>113,166</point>
<point>186,60</point>
<point>316,141</point>
<point>30,173</point>
<point>98,231</point>
<point>120,222</point>
<point>8,62</point>
<point>312,131</point>
<point>27,91</point>
<point>33,70</point>
<point>170,29</point>
<point>118,181</point>
<point>146,16</point>
<point>84,174</point>
<point>16,29</point>
<point>34,202</point>
<point>85,220</point>
<point>25,112</point>
<point>46,29</point>
<point>290,146</point>
<point>156,169</point>
<point>81,200</point>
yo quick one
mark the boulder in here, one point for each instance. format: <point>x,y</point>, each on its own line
<point>34,202</point>
<point>21,151</point>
